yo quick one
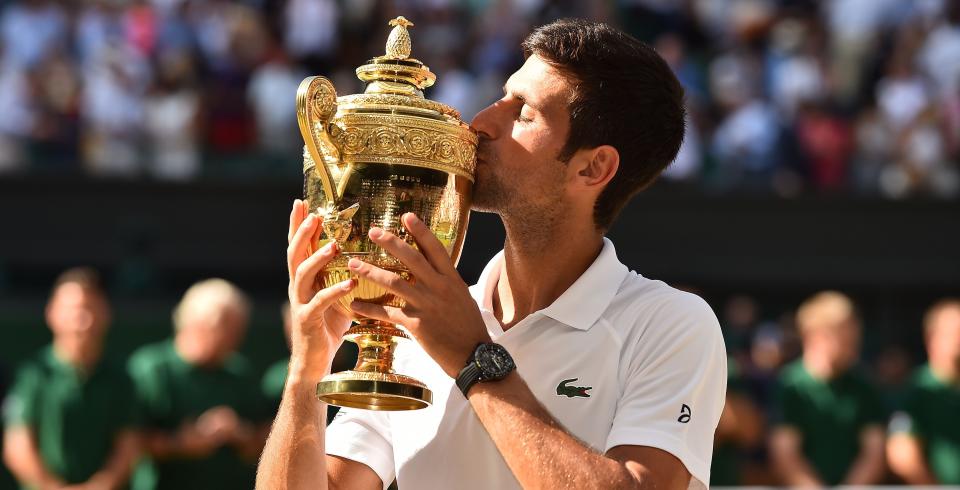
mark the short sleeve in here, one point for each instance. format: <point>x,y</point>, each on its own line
<point>674,387</point>
<point>363,436</point>
<point>20,404</point>
<point>148,378</point>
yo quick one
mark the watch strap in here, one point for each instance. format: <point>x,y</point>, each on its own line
<point>469,376</point>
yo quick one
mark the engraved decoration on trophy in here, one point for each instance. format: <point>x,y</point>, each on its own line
<point>368,159</point>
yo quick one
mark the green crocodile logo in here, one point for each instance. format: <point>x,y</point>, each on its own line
<point>572,391</point>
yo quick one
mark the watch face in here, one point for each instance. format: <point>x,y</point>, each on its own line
<point>494,361</point>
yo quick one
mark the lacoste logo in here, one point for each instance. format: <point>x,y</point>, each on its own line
<point>685,414</point>
<point>572,391</point>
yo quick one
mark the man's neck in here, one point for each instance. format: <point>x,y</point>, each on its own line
<point>946,372</point>
<point>534,273</point>
<point>76,357</point>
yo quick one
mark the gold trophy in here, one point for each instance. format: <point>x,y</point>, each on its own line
<point>368,159</point>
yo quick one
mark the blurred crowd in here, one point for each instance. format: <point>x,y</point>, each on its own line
<point>190,411</point>
<point>804,410</point>
<point>784,96</point>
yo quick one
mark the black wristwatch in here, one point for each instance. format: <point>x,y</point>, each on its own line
<point>489,362</point>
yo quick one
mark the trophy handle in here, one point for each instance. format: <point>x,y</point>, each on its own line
<point>316,106</point>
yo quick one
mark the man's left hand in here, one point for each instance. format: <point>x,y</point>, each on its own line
<point>439,311</point>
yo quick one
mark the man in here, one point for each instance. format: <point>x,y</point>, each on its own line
<point>619,380</point>
<point>924,446</point>
<point>739,432</point>
<point>70,414</point>
<point>830,417</point>
<point>203,413</point>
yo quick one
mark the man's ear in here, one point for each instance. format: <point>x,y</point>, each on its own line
<point>597,166</point>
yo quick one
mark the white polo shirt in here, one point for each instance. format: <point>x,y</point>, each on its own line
<point>617,359</point>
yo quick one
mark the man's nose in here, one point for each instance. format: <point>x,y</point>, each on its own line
<point>484,123</point>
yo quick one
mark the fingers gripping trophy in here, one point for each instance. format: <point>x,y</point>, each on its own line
<point>368,159</point>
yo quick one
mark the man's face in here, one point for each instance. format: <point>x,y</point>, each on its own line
<point>213,334</point>
<point>521,136</point>
<point>78,318</point>
<point>838,346</point>
<point>943,342</point>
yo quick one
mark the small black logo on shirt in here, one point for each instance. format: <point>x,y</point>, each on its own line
<point>684,414</point>
<point>572,391</point>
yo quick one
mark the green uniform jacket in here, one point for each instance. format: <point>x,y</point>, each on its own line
<point>172,391</point>
<point>931,412</point>
<point>830,415</point>
<point>75,417</point>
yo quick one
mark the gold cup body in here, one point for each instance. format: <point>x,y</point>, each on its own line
<point>370,158</point>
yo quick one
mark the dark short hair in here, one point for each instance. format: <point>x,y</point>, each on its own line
<point>625,95</point>
<point>86,277</point>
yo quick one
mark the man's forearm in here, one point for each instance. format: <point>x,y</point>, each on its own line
<point>22,457</point>
<point>295,454</point>
<point>539,452</point>
<point>117,470</point>
<point>868,468</point>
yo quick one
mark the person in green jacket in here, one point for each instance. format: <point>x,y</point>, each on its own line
<point>70,417</point>
<point>205,419</point>
<point>830,418</point>
<point>924,443</point>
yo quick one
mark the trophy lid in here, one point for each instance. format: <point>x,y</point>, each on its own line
<point>396,72</point>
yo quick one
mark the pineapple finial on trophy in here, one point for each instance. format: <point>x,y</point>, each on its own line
<point>398,43</point>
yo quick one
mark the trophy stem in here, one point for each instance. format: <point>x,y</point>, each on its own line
<point>376,340</point>
<point>372,384</point>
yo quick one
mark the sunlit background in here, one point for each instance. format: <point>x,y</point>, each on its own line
<point>156,141</point>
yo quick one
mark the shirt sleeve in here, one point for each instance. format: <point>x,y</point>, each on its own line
<point>674,386</point>
<point>20,404</point>
<point>787,405</point>
<point>363,436</point>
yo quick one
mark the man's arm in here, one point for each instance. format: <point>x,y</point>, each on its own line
<point>905,454</point>
<point>541,454</point>
<point>295,455</point>
<point>788,459</point>
<point>868,468</point>
<point>22,456</point>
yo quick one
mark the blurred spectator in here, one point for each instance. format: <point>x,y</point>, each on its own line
<point>112,107</point>
<point>277,132</point>
<point>205,418</point>
<point>30,30</point>
<point>739,321</point>
<point>745,142</point>
<point>171,118</point>
<point>70,415</point>
<point>924,444</point>
<point>740,430</point>
<point>830,426</point>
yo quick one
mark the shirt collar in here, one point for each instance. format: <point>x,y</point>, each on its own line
<point>582,304</point>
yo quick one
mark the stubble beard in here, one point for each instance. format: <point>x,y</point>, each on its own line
<point>527,218</point>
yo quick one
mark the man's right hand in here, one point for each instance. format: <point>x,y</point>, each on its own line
<point>318,327</point>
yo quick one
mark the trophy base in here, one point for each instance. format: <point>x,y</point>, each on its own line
<point>374,391</point>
